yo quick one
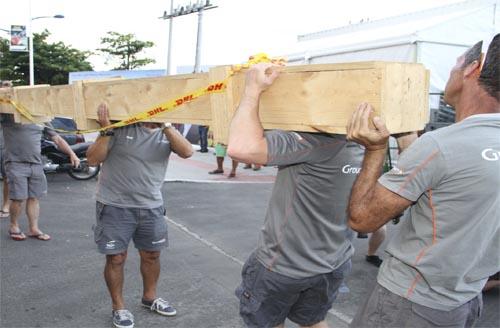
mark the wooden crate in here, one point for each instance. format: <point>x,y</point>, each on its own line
<point>322,97</point>
<point>313,98</point>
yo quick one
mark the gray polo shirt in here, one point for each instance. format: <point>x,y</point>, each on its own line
<point>22,142</point>
<point>448,242</point>
<point>134,169</point>
<point>305,231</point>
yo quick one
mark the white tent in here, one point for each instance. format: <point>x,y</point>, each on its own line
<point>433,37</point>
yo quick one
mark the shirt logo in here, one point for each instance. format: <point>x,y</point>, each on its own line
<point>490,154</point>
<point>396,170</point>
<point>348,169</point>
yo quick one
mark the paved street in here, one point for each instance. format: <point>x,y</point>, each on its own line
<point>213,228</point>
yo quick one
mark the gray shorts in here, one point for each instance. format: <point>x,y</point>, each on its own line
<point>26,180</point>
<point>116,226</point>
<point>268,298</point>
<point>386,309</point>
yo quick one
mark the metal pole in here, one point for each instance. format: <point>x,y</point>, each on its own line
<point>169,51</point>
<point>32,64</point>
<point>198,42</point>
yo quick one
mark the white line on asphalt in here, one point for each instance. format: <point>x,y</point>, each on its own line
<point>204,241</point>
<point>344,317</point>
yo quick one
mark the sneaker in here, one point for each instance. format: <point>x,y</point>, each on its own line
<point>374,259</point>
<point>123,319</point>
<point>160,306</point>
<point>362,235</point>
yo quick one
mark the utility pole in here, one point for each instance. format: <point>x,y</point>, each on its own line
<point>198,7</point>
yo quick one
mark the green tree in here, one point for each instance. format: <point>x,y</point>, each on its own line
<point>125,48</point>
<point>53,62</point>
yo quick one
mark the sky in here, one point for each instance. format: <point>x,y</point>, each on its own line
<point>231,32</point>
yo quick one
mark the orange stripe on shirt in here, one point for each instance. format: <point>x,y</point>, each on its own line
<point>418,169</point>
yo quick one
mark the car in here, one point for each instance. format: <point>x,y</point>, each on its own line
<point>67,124</point>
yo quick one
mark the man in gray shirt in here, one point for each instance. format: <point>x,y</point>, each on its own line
<point>447,244</point>
<point>130,205</point>
<point>304,248</point>
<point>24,171</point>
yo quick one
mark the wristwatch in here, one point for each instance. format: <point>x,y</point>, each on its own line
<point>107,133</point>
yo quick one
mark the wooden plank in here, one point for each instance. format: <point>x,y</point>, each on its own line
<point>304,98</point>
<point>223,104</point>
<point>127,97</point>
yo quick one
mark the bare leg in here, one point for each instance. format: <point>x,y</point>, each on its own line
<point>233,169</point>
<point>15,212</point>
<point>220,167</point>
<point>113,274</point>
<point>150,270</point>
<point>6,201</point>
<point>33,213</point>
<point>376,239</point>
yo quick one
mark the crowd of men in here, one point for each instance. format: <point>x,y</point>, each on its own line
<point>446,183</point>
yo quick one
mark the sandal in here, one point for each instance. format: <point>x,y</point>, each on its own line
<point>216,172</point>
<point>40,236</point>
<point>4,214</point>
<point>17,236</point>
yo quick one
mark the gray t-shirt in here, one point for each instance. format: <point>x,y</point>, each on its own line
<point>448,242</point>
<point>305,231</point>
<point>134,170</point>
<point>22,142</point>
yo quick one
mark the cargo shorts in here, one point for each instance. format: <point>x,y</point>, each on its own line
<point>385,309</point>
<point>116,226</point>
<point>267,298</point>
<point>25,180</point>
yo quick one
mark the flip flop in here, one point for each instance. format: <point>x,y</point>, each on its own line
<point>216,172</point>
<point>231,175</point>
<point>4,214</point>
<point>18,236</point>
<point>41,236</point>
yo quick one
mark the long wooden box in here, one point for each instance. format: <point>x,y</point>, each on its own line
<point>322,97</point>
<point>314,98</point>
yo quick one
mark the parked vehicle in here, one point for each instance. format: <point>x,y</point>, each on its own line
<point>55,161</point>
<point>67,124</point>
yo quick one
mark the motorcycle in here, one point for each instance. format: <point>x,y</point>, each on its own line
<point>55,161</point>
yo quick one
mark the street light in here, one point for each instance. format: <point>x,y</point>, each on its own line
<point>198,7</point>
<point>31,48</point>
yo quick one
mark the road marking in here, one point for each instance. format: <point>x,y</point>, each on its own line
<point>343,317</point>
<point>204,241</point>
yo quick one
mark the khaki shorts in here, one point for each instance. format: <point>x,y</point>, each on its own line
<point>26,180</point>
<point>386,309</point>
<point>116,226</point>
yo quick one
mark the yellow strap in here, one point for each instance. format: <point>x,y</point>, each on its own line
<point>166,106</point>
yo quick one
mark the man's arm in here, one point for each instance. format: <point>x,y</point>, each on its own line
<point>179,145</point>
<point>246,136</point>
<point>371,205</point>
<point>98,151</point>
<point>65,148</point>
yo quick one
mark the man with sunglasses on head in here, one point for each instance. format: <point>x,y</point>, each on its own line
<point>447,244</point>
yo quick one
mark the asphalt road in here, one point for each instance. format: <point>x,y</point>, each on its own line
<point>213,228</point>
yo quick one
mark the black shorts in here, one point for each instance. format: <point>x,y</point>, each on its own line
<point>268,298</point>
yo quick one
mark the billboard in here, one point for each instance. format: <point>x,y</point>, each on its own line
<point>18,38</point>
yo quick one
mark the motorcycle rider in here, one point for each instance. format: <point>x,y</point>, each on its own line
<point>24,170</point>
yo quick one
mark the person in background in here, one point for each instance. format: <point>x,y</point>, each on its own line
<point>220,153</point>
